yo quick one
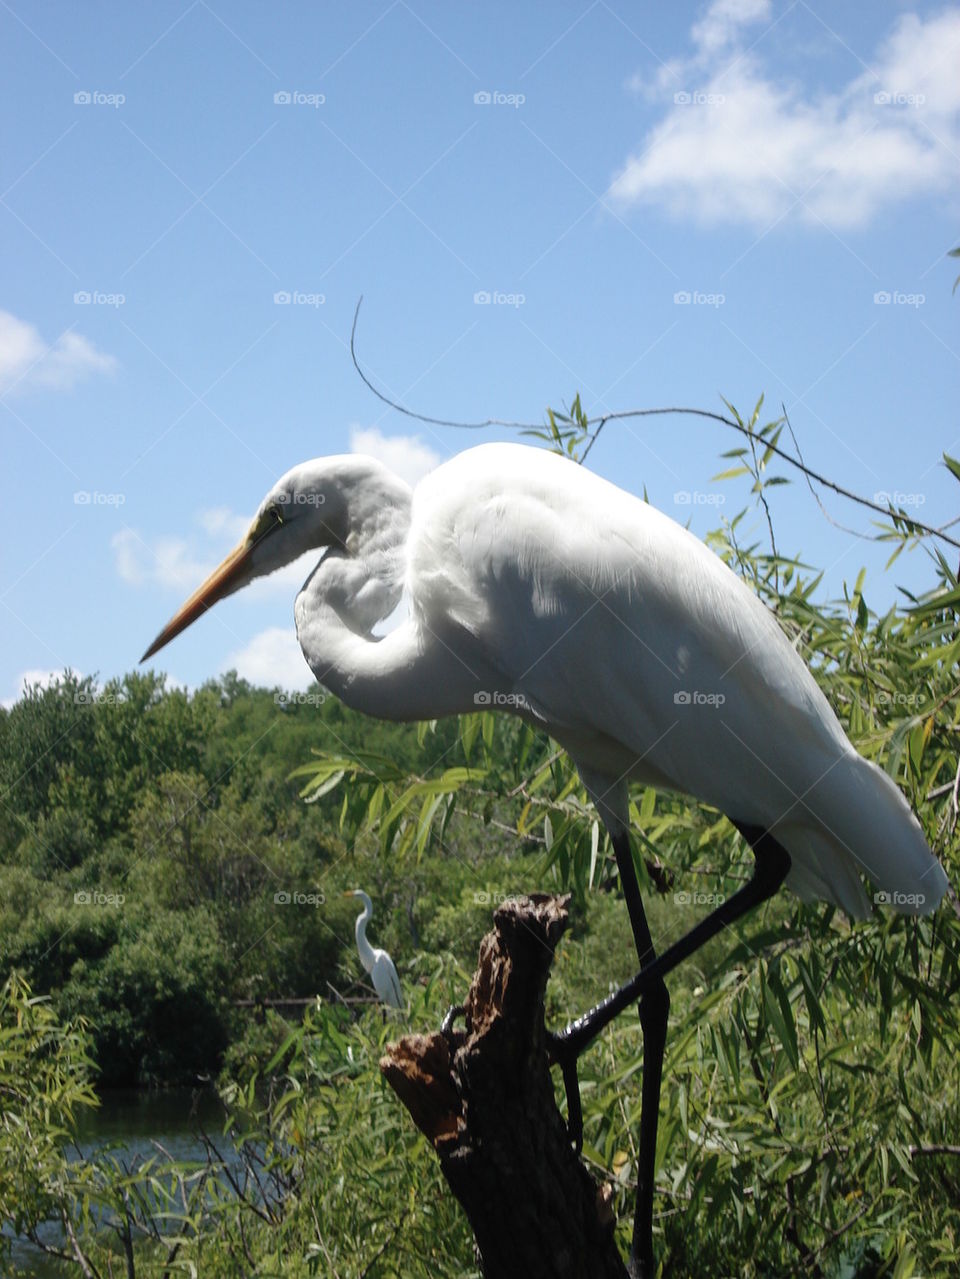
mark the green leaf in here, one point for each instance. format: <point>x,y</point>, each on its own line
<point>953,465</point>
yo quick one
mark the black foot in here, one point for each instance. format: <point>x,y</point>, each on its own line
<point>565,1056</point>
<point>641,1269</point>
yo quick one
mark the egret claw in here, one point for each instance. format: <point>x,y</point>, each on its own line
<point>566,1059</point>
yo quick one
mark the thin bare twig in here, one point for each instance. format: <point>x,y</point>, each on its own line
<point>601,421</point>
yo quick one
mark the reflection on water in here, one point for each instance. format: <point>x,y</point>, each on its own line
<point>136,1119</point>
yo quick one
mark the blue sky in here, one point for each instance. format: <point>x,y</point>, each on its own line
<point>583,164</point>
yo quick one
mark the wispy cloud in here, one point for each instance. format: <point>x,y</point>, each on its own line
<point>405,455</point>
<point>26,679</point>
<point>28,361</point>
<point>180,563</point>
<point>739,144</point>
<point>272,657</point>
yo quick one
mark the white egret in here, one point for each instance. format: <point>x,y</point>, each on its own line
<point>377,962</point>
<point>537,587</point>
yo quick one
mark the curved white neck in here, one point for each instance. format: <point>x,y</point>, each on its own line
<point>360,931</point>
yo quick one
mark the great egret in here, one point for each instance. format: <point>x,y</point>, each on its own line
<point>377,962</point>
<point>536,587</point>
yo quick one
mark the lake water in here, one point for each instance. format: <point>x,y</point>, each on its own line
<point>135,1119</point>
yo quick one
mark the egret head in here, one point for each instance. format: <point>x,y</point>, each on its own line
<point>358,892</point>
<point>306,509</point>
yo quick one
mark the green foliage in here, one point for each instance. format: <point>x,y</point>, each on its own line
<point>44,1082</point>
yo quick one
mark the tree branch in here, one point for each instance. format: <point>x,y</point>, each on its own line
<point>485,1099</point>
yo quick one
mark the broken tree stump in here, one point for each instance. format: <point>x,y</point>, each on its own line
<point>485,1099</point>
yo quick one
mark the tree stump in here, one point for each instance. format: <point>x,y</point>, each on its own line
<point>485,1099</point>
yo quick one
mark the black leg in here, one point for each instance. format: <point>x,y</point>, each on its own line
<point>654,1010</point>
<point>772,866</point>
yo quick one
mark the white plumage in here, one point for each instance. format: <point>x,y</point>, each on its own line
<point>377,962</point>
<point>537,585</point>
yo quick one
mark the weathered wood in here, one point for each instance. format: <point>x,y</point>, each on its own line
<point>485,1099</point>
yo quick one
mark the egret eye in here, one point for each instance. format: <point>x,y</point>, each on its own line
<point>271,518</point>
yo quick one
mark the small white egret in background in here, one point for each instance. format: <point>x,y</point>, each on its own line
<point>538,588</point>
<point>377,962</point>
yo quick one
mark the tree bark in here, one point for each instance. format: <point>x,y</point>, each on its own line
<point>485,1099</point>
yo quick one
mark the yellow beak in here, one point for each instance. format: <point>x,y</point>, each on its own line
<point>214,588</point>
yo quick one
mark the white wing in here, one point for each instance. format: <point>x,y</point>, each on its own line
<point>646,657</point>
<point>385,980</point>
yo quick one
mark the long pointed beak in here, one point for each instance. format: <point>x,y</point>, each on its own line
<point>214,588</point>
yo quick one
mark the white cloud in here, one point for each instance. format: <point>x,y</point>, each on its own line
<point>220,519</point>
<point>405,455</point>
<point>743,145</point>
<point>180,564</point>
<point>167,561</point>
<point>26,360</point>
<point>26,678</point>
<point>721,23</point>
<point>272,657</point>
